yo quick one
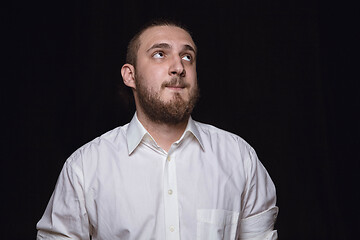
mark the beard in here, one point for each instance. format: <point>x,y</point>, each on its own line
<point>172,112</point>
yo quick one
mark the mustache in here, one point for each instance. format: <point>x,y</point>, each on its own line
<point>175,82</point>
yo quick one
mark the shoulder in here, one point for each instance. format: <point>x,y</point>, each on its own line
<point>215,136</point>
<point>111,141</point>
<point>230,150</point>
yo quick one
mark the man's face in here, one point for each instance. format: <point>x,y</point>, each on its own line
<point>165,74</point>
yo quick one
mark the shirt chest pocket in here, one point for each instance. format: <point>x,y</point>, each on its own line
<point>216,224</point>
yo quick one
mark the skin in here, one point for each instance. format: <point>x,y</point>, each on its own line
<point>165,52</point>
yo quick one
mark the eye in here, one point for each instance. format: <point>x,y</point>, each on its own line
<point>187,58</point>
<point>159,55</point>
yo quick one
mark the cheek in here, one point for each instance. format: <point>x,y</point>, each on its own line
<point>192,76</point>
<point>157,76</point>
<point>146,74</point>
<point>154,70</point>
<point>191,70</point>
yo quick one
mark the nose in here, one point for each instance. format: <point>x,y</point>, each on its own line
<point>177,67</point>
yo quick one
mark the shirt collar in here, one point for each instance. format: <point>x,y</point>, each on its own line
<point>192,128</point>
<point>136,132</point>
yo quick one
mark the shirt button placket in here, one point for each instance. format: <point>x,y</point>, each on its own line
<point>171,201</point>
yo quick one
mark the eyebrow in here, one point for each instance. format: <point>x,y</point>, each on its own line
<point>167,46</point>
<point>190,48</point>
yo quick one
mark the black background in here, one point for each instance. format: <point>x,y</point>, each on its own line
<point>281,74</point>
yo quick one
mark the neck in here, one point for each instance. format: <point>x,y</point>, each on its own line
<point>164,134</point>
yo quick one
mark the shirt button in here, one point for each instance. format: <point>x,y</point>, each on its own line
<point>172,228</point>
<point>168,158</point>
<point>170,192</point>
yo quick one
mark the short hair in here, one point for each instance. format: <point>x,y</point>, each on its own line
<point>134,44</point>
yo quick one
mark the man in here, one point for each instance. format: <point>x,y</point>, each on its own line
<point>163,175</point>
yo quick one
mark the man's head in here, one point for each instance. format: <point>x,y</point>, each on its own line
<point>161,70</point>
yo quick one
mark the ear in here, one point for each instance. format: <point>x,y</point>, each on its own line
<point>128,75</point>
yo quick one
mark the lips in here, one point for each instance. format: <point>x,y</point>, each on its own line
<point>175,83</point>
<point>175,86</point>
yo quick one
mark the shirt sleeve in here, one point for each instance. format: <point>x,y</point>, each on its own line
<point>259,212</point>
<point>65,216</point>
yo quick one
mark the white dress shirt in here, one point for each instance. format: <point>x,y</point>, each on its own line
<point>210,185</point>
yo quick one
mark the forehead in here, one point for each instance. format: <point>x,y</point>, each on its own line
<point>172,35</point>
